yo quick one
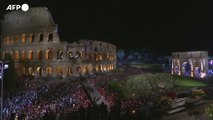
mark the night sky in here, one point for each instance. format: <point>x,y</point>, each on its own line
<point>158,26</point>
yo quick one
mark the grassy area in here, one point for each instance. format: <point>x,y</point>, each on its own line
<point>140,85</point>
<point>147,65</point>
<point>188,82</point>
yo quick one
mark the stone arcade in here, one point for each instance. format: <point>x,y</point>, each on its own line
<point>32,40</point>
<point>193,64</point>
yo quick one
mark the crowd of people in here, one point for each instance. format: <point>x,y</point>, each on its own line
<point>128,107</point>
<point>69,100</point>
<point>34,99</point>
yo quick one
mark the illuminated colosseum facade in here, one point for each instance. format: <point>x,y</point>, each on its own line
<point>32,40</point>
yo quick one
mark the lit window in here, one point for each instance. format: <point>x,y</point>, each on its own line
<point>96,56</point>
<point>100,67</point>
<point>70,54</point>
<point>39,71</point>
<point>100,56</point>
<point>30,55</point>
<point>87,70</point>
<point>69,71</point>
<point>59,70</point>
<point>39,55</point>
<point>23,38</point>
<point>30,71</point>
<point>49,55</point>
<point>11,40</point>
<point>78,54</point>
<point>32,38</point>
<point>16,39</point>
<point>48,70</point>
<point>16,55</point>
<point>8,40</point>
<point>60,54</point>
<point>23,55</point>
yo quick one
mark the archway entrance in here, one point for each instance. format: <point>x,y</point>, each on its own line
<point>48,71</point>
<point>30,71</point>
<point>69,71</point>
<point>39,71</point>
<point>186,69</point>
<point>176,69</point>
<point>59,71</point>
<point>197,71</point>
<point>86,70</point>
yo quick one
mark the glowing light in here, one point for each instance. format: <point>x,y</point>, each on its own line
<point>133,112</point>
<point>105,68</point>
<point>202,75</point>
<point>192,75</point>
<point>211,62</point>
<point>6,66</point>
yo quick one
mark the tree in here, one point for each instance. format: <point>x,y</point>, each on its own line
<point>9,74</point>
<point>209,111</point>
<point>145,84</point>
<point>120,56</point>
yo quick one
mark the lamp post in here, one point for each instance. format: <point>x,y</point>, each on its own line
<point>3,66</point>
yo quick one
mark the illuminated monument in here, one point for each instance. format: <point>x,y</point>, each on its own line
<point>194,63</point>
<point>32,40</point>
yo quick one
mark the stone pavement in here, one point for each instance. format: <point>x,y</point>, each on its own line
<point>197,113</point>
<point>94,94</point>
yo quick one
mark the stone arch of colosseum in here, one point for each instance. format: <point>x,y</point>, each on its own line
<point>49,54</point>
<point>39,54</point>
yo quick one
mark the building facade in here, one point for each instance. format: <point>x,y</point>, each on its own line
<point>33,41</point>
<point>193,63</point>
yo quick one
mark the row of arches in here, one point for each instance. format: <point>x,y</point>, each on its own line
<point>55,71</point>
<point>97,46</point>
<point>27,38</point>
<point>100,57</point>
<point>39,54</point>
<point>188,71</point>
<point>104,68</point>
<point>30,54</point>
<point>188,68</point>
<point>97,49</point>
<point>64,71</point>
<point>70,54</point>
<point>49,54</point>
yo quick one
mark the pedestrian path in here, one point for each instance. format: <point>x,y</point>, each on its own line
<point>96,97</point>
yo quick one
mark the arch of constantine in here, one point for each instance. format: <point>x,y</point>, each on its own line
<point>193,64</point>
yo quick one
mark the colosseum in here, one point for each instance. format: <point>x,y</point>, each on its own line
<point>32,39</point>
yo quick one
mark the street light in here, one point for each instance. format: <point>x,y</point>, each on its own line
<point>3,66</point>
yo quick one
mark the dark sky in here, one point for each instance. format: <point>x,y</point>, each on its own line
<point>159,26</point>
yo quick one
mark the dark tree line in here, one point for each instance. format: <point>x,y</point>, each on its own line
<point>9,74</point>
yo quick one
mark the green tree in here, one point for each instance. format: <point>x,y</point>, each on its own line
<point>9,74</point>
<point>146,84</point>
<point>209,111</point>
